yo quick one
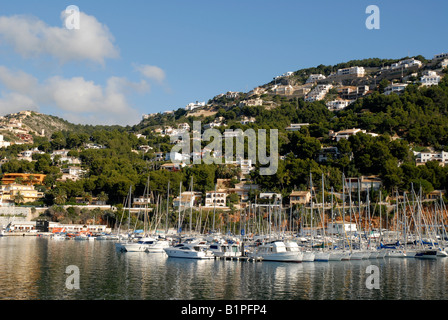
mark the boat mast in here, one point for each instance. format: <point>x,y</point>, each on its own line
<point>167,206</point>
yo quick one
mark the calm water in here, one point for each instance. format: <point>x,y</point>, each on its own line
<point>33,268</point>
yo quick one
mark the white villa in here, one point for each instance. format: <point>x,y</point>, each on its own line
<point>217,199</point>
<point>430,78</point>
<point>4,144</point>
<point>408,63</point>
<point>345,134</point>
<point>194,105</point>
<point>338,104</point>
<point>422,157</point>
<point>315,77</point>
<point>358,71</point>
<point>395,88</point>
<point>296,126</point>
<point>318,93</point>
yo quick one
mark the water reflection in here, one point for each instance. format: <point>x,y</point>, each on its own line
<point>34,268</point>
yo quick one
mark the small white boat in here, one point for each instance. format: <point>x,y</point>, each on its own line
<point>396,254</point>
<point>189,251</point>
<point>146,244</point>
<point>107,237</point>
<point>81,236</point>
<point>277,251</point>
<point>59,236</point>
<point>441,253</point>
<point>141,245</point>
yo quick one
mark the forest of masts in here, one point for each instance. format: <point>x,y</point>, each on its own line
<point>408,213</point>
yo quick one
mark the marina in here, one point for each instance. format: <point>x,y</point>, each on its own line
<point>39,264</point>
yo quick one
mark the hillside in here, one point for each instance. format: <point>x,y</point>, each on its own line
<point>32,123</point>
<point>299,85</point>
<point>392,127</point>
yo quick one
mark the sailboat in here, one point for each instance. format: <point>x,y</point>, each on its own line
<point>321,254</point>
<point>124,239</point>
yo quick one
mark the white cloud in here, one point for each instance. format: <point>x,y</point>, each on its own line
<point>10,101</point>
<point>31,37</point>
<point>151,72</point>
<point>76,97</point>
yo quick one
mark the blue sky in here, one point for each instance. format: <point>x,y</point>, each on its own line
<point>142,56</point>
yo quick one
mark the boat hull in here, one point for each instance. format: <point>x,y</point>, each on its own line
<point>426,254</point>
<point>282,257</point>
<point>321,256</point>
<point>173,253</point>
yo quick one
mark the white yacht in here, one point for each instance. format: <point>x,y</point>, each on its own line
<point>277,251</point>
<point>146,244</point>
<point>191,250</point>
<point>225,249</point>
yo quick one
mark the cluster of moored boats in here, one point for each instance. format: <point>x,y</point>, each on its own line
<point>265,249</point>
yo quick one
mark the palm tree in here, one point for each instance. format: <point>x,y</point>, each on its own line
<point>87,197</point>
<point>19,198</point>
<point>60,198</point>
<point>103,197</point>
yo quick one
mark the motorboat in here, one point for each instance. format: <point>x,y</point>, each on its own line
<point>441,253</point>
<point>225,249</point>
<point>107,237</point>
<point>189,250</point>
<point>277,251</point>
<point>145,244</point>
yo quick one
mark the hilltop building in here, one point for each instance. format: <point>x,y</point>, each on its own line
<point>16,192</point>
<point>395,88</point>
<point>430,78</point>
<point>24,178</point>
<point>423,157</point>
<point>345,134</point>
<point>4,144</point>
<point>315,77</point>
<point>299,197</point>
